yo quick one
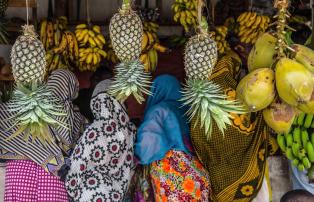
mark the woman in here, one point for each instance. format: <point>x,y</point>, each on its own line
<point>163,142</point>
<point>32,169</point>
<point>102,162</point>
<point>300,180</point>
<point>236,162</point>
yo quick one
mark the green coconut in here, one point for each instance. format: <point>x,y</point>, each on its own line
<point>263,53</point>
<point>308,107</point>
<point>294,82</point>
<point>257,89</point>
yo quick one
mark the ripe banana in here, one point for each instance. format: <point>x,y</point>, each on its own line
<point>185,12</point>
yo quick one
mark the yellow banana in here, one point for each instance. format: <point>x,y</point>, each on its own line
<point>42,33</point>
<point>102,53</point>
<point>98,42</point>
<point>81,26</point>
<point>92,42</point>
<point>91,33</point>
<point>144,41</point>
<point>96,29</point>
<point>176,17</point>
<point>101,38</point>
<point>160,48</point>
<point>89,58</point>
<point>257,22</point>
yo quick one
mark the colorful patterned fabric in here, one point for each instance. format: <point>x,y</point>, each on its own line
<point>28,182</point>
<point>236,162</point>
<point>64,85</point>
<point>165,126</point>
<point>179,177</point>
<point>102,163</point>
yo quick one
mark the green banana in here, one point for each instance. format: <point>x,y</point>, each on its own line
<point>301,118</point>
<point>281,142</point>
<point>295,149</point>
<point>289,154</point>
<point>302,154</point>
<point>306,162</point>
<point>289,139</point>
<point>295,162</point>
<point>308,120</point>
<point>312,126</point>
<point>295,121</point>
<point>312,138</point>
<point>304,137</point>
<point>310,151</point>
<point>301,167</point>
<point>297,135</point>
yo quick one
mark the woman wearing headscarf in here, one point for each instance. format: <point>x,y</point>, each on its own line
<point>163,142</point>
<point>236,161</point>
<point>102,163</point>
<point>32,168</point>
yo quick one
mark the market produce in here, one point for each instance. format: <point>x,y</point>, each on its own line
<point>91,43</point>
<point>263,53</point>
<point>304,55</point>
<point>251,25</point>
<point>3,7</point>
<point>298,144</point>
<point>111,56</point>
<point>219,35</point>
<point>126,33</point>
<point>32,105</point>
<point>206,101</point>
<point>257,89</point>
<point>185,12</point>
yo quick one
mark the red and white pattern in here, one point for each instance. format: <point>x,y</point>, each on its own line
<point>28,182</point>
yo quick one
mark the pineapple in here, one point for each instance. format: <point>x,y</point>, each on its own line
<point>3,7</point>
<point>126,33</point>
<point>207,103</point>
<point>33,107</point>
<point>28,58</point>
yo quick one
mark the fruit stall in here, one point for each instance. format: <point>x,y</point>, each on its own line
<point>269,46</point>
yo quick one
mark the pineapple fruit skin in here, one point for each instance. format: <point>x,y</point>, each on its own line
<point>28,60</point>
<point>126,33</point>
<point>200,57</point>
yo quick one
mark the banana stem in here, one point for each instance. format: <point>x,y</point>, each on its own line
<point>87,13</point>
<point>282,6</point>
<point>126,5</point>
<point>202,24</point>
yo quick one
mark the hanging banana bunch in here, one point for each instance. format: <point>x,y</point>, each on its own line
<point>185,12</point>
<point>219,35</point>
<point>251,25</point>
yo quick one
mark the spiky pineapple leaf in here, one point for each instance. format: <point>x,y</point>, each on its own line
<point>34,109</point>
<point>207,103</point>
<point>130,79</point>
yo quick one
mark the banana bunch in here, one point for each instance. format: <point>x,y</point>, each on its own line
<point>150,27</point>
<point>219,35</point>
<point>185,13</point>
<point>111,56</point>
<point>298,145</point>
<point>150,49</point>
<point>251,25</point>
<point>51,30</point>
<point>91,43</point>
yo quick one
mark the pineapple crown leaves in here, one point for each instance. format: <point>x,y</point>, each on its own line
<point>130,79</point>
<point>34,109</point>
<point>207,104</point>
<point>29,30</point>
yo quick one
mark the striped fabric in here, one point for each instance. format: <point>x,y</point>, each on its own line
<point>63,85</point>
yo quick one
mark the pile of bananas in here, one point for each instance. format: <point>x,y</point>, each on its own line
<point>111,56</point>
<point>91,43</point>
<point>185,13</point>
<point>219,35</point>
<point>298,145</point>
<point>251,25</point>
<point>60,44</point>
<point>151,47</point>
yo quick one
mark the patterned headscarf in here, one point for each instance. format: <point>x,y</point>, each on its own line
<point>63,85</point>
<point>102,162</point>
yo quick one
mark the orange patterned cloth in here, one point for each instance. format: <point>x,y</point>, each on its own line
<point>179,177</point>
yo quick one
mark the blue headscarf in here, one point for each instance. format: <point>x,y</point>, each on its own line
<point>164,127</point>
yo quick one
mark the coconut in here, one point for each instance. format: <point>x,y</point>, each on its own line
<point>294,82</point>
<point>279,116</point>
<point>257,89</point>
<point>308,107</point>
<point>263,53</point>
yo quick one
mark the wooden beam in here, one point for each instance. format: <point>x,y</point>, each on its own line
<point>22,3</point>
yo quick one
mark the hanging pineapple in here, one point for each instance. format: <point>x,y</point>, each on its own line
<point>126,33</point>
<point>207,103</point>
<point>32,104</point>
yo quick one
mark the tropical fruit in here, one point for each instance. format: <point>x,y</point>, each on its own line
<point>257,89</point>
<point>308,107</point>
<point>279,117</point>
<point>263,53</point>
<point>185,12</point>
<point>294,82</point>
<point>304,55</point>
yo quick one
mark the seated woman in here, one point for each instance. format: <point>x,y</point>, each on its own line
<point>102,163</point>
<point>163,142</point>
<point>236,162</point>
<point>32,168</point>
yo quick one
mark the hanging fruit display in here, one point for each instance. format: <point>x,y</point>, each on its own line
<point>185,12</point>
<point>219,35</point>
<point>126,34</point>
<point>91,43</point>
<point>251,25</point>
<point>150,42</point>
<point>298,143</point>
<point>207,104</point>
<point>60,44</point>
<point>32,105</point>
